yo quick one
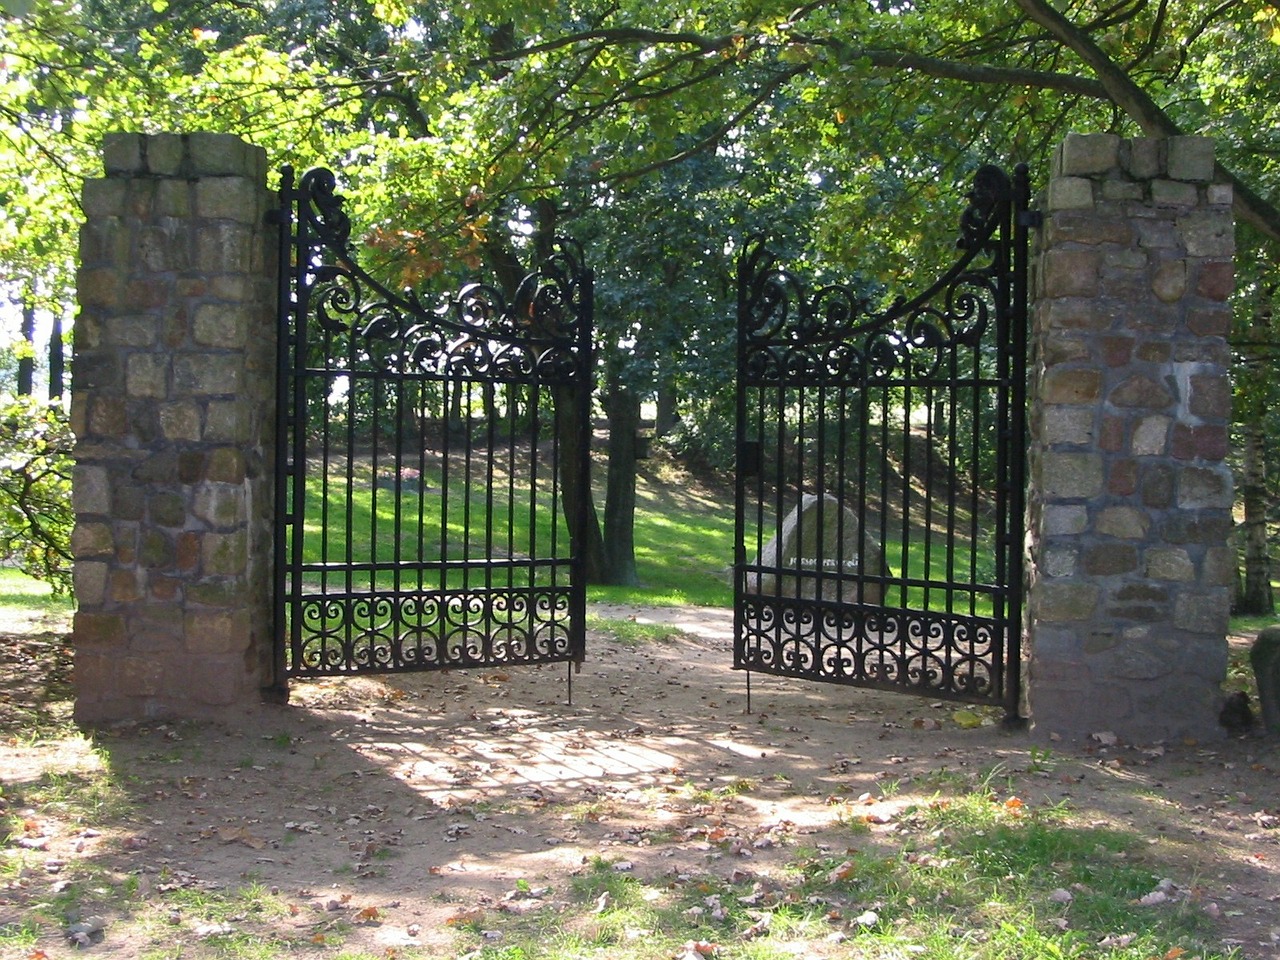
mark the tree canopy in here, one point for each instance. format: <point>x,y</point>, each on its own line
<point>668,131</point>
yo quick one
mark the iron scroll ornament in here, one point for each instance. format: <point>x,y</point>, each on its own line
<point>834,334</point>
<point>536,331</point>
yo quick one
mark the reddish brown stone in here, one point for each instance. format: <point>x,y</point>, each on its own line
<point>1155,317</point>
<point>1211,397</point>
<point>124,586</point>
<point>165,588</point>
<point>1078,314</point>
<point>1157,486</point>
<point>187,550</point>
<point>1110,559</point>
<point>1071,273</point>
<point>1122,478</point>
<point>104,629</point>
<point>1209,321</point>
<point>1073,227</point>
<point>1210,527</point>
<point>1116,349</point>
<point>1111,437</point>
<point>193,287</point>
<point>1154,351</point>
<point>175,328</point>
<point>191,466</point>
<point>226,465</point>
<point>1216,280</point>
<point>1139,392</point>
<point>146,294</point>
<point>1206,442</point>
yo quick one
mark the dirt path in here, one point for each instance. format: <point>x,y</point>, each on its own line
<point>420,796</point>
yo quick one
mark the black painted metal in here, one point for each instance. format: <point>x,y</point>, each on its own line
<point>421,523</point>
<point>881,469</point>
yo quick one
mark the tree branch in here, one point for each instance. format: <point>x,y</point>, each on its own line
<point>980,73</point>
<point>1143,110</point>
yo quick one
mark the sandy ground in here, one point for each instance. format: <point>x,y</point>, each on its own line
<point>396,804</point>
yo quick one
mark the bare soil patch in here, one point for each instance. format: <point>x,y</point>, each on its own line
<point>389,807</point>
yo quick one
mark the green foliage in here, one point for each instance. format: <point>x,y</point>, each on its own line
<point>35,490</point>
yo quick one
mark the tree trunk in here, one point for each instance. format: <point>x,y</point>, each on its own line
<point>1255,596</point>
<point>577,502</point>
<point>57,358</point>
<point>667,418</point>
<point>27,362</point>
<point>622,406</point>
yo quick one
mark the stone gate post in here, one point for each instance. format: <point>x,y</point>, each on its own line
<point>1130,495</point>
<point>173,409</point>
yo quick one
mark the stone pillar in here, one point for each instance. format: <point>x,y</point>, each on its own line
<point>173,410</point>
<point>1130,495</point>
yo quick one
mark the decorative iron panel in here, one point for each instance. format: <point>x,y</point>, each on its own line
<point>881,459</point>
<point>423,521</point>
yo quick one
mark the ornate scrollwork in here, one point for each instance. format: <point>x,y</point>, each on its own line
<point>323,209</point>
<point>834,335</point>
<point>476,332</point>
<point>931,653</point>
<point>431,630</point>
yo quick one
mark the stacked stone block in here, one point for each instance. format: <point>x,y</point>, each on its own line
<point>173,407</point>
<point>1130,497</point>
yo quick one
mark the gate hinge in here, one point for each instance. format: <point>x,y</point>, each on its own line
<point>1034,219</point>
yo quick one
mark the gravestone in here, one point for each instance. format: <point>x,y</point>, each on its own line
<point>1264,657</point>
<point>824,543</point>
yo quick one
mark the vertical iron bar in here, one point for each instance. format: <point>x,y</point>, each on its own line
<point>353,388</point>
<point>289,420</point>
<point>490,438</point>
<point>1017,392</point>
<point>739,479</point>
<point>585,370</point>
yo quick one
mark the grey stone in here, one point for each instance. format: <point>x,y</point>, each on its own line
<point>122,153</point>
<point>1088,154</point>
<point>1071,474</point>
<point>1205,487</point>
<point>1170,193</point>
<point>1067,519</point>
<point>1170,563</point>
<point>164,154</point>
<point>818,541</point>
<point>1070,193</point>
<point>1142,157</point>
<point>1208,233</point>
<point>1191,159</point>
<point>219,154</point>
<point>1203,611</point>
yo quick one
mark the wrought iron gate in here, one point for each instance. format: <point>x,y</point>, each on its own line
<point>424,476</point>
<point>880,469</point>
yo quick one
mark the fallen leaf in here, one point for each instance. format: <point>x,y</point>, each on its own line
<point>696,949</point>
<point>1117,940</point>
<point>206,930</point>
<point>757,929</point>
<point>240,835</point>
<point>368,915</point>
<point>843,872</point>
